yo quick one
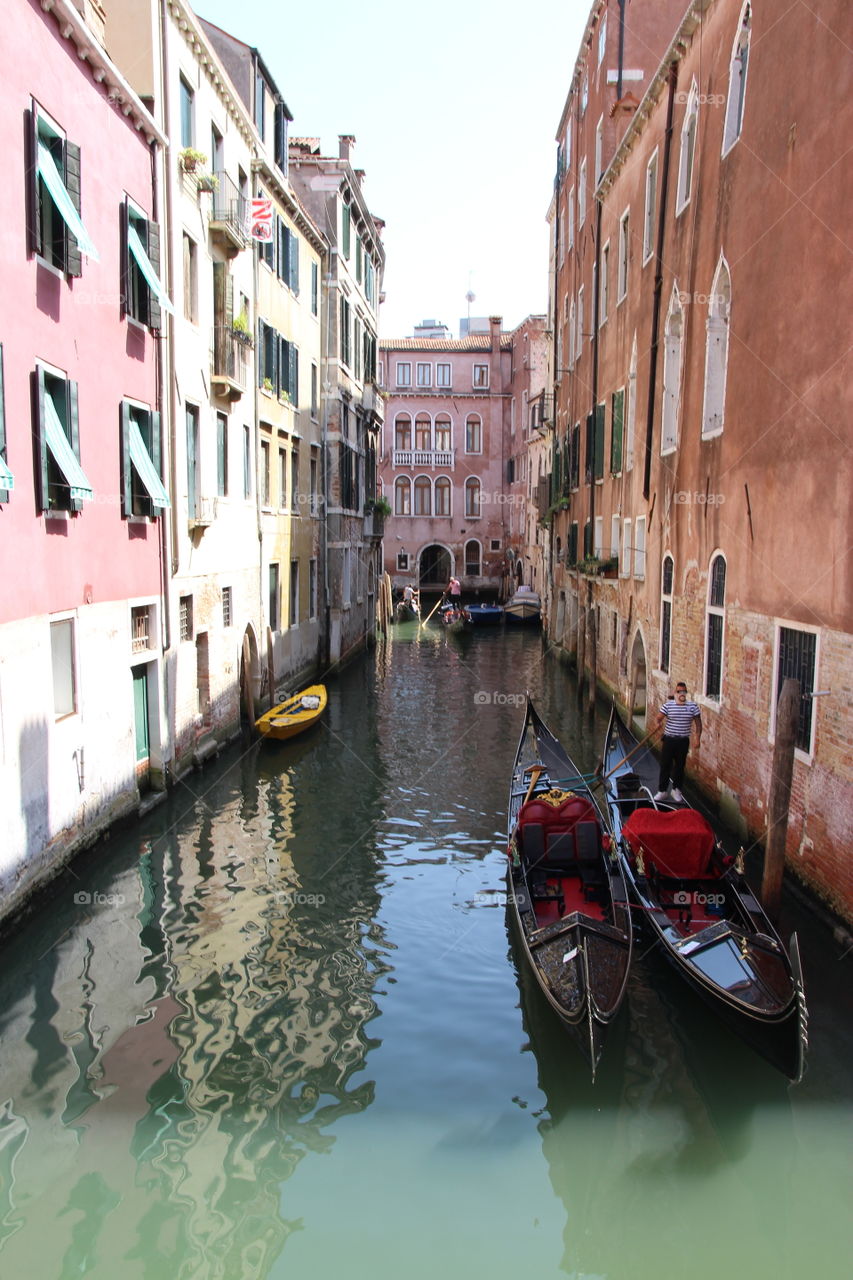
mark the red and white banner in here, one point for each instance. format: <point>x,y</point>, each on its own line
<point>260,219</point>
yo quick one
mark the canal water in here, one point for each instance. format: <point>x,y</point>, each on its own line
<point>278,1030</point>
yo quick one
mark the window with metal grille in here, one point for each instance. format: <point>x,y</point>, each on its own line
<point>186,618</point>
<point>226,606</point>
<point>139,629</point>
<point>666,612</point>
<point>714,633</point>
<point>797,660</point>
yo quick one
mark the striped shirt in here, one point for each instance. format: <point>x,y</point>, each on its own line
<point>679,718</point>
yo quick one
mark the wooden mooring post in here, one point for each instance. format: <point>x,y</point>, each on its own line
<point>270,666</point>
<point>779,799</point>
<point>247,683</point>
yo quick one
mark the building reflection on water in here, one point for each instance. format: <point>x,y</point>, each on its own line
<point>181,1047</point>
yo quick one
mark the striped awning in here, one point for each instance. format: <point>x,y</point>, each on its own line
<point>7,480</point>
<point>147,472</point>
<point>64,455</point>
<point>53,181</point>
<point>137,248</point>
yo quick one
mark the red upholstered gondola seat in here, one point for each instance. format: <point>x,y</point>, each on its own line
<point>677,843</point>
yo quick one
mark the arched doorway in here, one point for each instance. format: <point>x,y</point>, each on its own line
<point>434,567</point>
<point>637,681</point>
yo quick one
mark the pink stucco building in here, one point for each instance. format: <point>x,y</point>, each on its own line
<point>455,421</point>
<point>80,490</point>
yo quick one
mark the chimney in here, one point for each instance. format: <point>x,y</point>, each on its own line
<point>495,323</point>
<point>346,142</point>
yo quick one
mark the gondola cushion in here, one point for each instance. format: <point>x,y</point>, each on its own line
<point>677,843</point>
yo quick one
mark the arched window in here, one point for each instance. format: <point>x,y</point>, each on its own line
<point>717,351</point>
<point>423,496</point>
<point>472,498</point>
<point>631,407</point>
<point>402,496</point>
<point>715,615</point>
<point>737,80</point>
<point>442,433</point>
<point>423,433</point>
<point>472,558</point>
<point>688,149</point>
<point>667,573</point>
<point>473,434</point>
<point>402,431</point>
<point>442,496</point>
<point>673,336</point>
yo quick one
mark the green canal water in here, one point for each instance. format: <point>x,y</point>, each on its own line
<point>277,1030</point>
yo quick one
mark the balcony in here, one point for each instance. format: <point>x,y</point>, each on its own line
<point>423,458</point>
<point>541,412</point>
<point>201,513</point>
<point>227,222</point>
<point>229,362</point>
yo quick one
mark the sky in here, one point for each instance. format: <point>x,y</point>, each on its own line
<point>455,109</point>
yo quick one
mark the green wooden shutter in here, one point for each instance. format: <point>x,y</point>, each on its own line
<point>346,225</point>
<point>155,311</point>
<point>315,288</point>
<point>294,262</point>
<point>34,234</point>
<point>599,442</point>
<point>124,257</point>
<point>73,256</point>
<point>261,360</point>
<point>73,420</point>
<point>42,471</point>
<point>617,404</point>
<point>590,449</point>
<point>294,375</point>
<point>4,493</point>
<point>124,454</point>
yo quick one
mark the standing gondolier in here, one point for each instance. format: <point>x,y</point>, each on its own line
<point>676,717</point>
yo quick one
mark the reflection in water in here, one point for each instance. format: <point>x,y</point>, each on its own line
<point>197,1082</point>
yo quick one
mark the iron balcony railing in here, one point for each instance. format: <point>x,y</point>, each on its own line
<point>230,355</point>
<point>228,209</point>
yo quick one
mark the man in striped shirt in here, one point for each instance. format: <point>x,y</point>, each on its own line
<point>676,717</point>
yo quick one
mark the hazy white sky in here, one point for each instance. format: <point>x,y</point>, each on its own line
<point>454,105</point>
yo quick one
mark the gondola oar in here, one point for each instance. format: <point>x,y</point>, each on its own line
<point>632,752</point>
<point>534,770</point>
<point>425,620</point>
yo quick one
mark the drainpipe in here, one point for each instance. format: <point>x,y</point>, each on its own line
<point>170,264</point>
<point>621,49</point>
<point>592,662</point>
<point>165,517</point>
<point>658,285</point>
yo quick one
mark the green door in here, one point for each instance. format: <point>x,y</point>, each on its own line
<point>140,712</point>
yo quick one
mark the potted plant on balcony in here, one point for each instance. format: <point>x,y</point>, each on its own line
<point>189,159</point>
<point>207,182</point>
<point>267,384</point>
<point>242,332</point>
<point>377,506</point>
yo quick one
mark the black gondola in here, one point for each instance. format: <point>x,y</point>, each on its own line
<point>567,892</point>
<point>700,909</point>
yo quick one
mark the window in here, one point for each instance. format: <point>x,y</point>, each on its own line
<point>359,260</point>
<point>575,457</point>
<point>651,206</point>
<point>346,352</point>
<point>247,462</point>
<point>402,431</point>
<point>193,461</point>
<point>294,476</point>
<point>423,433</point>
<point>625,559</point>
<point>617,408</point>
<point>274,600</point>
<point>346,230</point>
<point>143,296</point>
<point>63,662</point>
<point>717,352</point>
<point>572,549</point>
<point>217,162</point>
<point>442,375</point>
<point>570,214</point>
<point>314,402</point>
<point>294,594</point>
<point>598,538</point>
<point>622,271</point>
<point>737,81</point>
<point>442,496</point>
<point>140,628</point>
<point>424,375</point>
<point>640,547</point>
<point>797,660</point>
<point>346,576</point>
<point>402,561</point>
<point>282,479</point>
<point>222,454</point>
<point>666,612</point>
<point>57,234</point>
<point>404,373</point>
<point>688,149</point>
<point>481,375</point>
<point>402,496</point>
<point>615,528</point>
<point>570,337</point>
<point>442,434</point>
<point>673,334</point>
<point>261,105</point>
<point>630,417</point>
<point>715,619</point>
<point>472,558</point>
<point>584,93</point>
<point>603,283</point>
<point>266,478</point>
<point>142,491</point>
<point>473,434</point>
<point>472,498</point>
<point>190,280</point>
<point>579,334</point>
<point>312,480</point>
<point>315,289</point>
<point>602,39</point>
<point>187,106</point>
<point>312,589</point>
<point>582,193</point>
<point>185,618</point>
<point>599,148</point>
<point>61,483</point>
<point>423,496</point>
<point>280,139</point>
<point>227,613</point>
<point>597,442</point>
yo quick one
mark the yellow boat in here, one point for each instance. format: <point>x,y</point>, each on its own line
<point>295,714</point>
